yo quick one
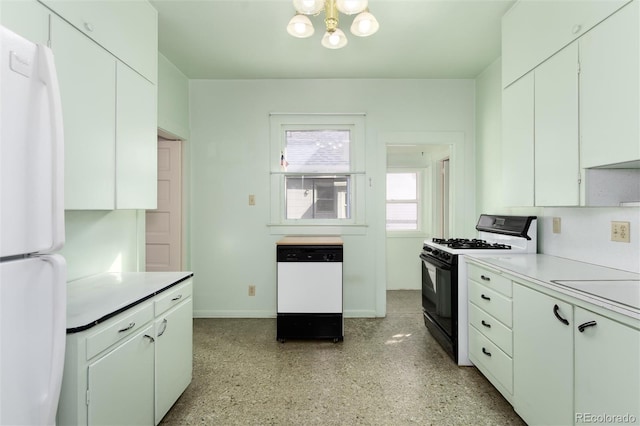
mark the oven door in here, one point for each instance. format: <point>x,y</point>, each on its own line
<point>438,288</point>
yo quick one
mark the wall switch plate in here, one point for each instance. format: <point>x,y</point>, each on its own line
<point>620,231</point>
<point>557,225</point>
<point>252,200</point>
<point>252,290</point>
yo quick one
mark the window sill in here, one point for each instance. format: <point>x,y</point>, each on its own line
<point>287,229</point>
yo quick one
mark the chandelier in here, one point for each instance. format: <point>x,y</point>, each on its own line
<point>364,24</point>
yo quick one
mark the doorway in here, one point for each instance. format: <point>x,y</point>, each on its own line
<point>164,225</point>
<point>422,163</point>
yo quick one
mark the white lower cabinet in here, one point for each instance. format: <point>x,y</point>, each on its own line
<point>607,362</point>
<point>174,353</point>
<point>131,368</point>
<point>542,358</point>
<point>490,320</point>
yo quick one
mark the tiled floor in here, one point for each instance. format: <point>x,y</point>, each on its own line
<point>388,371</point>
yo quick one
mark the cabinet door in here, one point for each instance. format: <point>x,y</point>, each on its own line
<point>542,358</point>
<point>121,383</point>
<point>517,142</point>
<point>127,29</point>
<point>607,365</point>
<point>27,18</point>
<point>136,136</point>
<point>174,355</point>
<point>86,74</point>
<point>609,90</point>
<point>556,130</point>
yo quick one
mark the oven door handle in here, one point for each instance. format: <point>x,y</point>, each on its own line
<point>435,262</point>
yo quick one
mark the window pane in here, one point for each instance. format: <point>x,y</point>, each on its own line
<point>402,226</point>
<point>317,197</point>
<point>317,150</point>
<point>402,212</point>
<point>402,186</point>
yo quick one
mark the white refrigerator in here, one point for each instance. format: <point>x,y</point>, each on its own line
<point>32,276</point>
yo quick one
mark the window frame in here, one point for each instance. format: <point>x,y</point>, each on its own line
<point>420,200</point>
<point>279,124</point>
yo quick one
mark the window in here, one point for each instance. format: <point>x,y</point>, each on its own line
<point>403,201</point>
<point>316,174</point>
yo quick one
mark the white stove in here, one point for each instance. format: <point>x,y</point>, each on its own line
<point>444,275</point>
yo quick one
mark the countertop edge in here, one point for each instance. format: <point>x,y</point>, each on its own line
<point>115,309</point>
<point>577,294</point>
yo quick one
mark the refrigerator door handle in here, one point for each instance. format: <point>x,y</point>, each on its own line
<point>59,327</point>
<point>47,72</point>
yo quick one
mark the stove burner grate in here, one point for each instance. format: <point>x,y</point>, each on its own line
<point>465,243</point>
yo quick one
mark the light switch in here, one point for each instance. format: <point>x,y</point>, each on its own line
<point>252,200</point>
<point>557,225</point>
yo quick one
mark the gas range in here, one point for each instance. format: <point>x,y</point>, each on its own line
<point>444,275</point>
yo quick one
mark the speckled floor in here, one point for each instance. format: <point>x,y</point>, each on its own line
<point>388,371</point>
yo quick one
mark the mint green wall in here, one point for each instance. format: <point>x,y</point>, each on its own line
<point>232,245</point>
<point>489,140</point>
<point>173,99</point>
<point>102,241</point>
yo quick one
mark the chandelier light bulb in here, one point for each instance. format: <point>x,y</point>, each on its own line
<point>351,7</point>
<point>335,39</point>
<point>365,24</point>
<point>308,7</point>
<point>300,26</point>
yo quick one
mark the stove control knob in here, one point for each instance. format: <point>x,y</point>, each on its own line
<point>330,256</point>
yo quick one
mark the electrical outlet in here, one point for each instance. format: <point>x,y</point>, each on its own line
<point>557,225</point>
<point>620,231</point>
<point>252,200</point>
<point>252,290</point>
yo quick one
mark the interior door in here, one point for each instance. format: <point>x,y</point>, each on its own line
<point>164,225</point>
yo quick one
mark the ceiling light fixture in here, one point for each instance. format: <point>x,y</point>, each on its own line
<point>364,24</point>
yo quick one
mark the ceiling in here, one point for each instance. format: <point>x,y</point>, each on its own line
<point>247,39</point>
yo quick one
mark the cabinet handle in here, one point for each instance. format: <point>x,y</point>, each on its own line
<point>164,327</point>
<point>485,278</point>
<point>576,29</point>
<point>556,308</point>
<point>486,352</point>
<point>129,327</point>
<point>486,324</point>
<point>88,26</point>
<point>149,337</point>
<point>581,327</point>
<point>178,297</point>
<point>485,297</point>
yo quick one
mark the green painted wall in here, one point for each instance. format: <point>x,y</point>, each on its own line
<point>232,245</point>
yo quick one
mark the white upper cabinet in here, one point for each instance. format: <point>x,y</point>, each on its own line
<point>533,30</point>
<point>557,171</point>
<point>27,18</point>
<point>87,76</point>
<point>517,142</point>
<point>136,141</point>
<point>128,29</point>
<point>609,90</point>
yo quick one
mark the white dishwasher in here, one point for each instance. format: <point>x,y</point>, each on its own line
<point>309,288</point>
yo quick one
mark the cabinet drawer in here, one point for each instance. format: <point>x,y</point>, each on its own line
<point>490,279</point>
<point>118,328</point>
<point>489,359</point>
<point>492,302</point>
<point>493,329</point>
<point>172,297</point>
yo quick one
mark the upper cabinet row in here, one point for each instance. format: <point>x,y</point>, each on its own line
<point>577,109</point>
<point>106,60</point>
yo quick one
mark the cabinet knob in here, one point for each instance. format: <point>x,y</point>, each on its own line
<point>576,29</point>
<point>88,26</point>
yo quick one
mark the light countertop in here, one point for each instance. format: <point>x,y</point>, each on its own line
<point>311,240</point>
<point>610,288</point>
<point>96,298</point>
